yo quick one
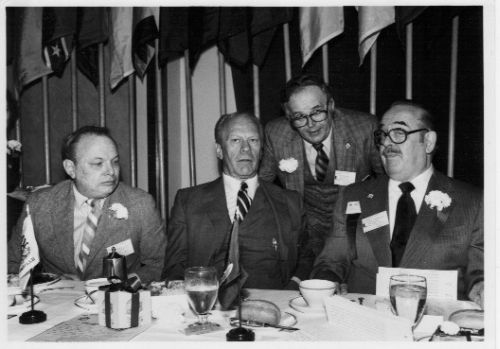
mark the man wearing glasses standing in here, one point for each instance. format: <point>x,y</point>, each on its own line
<point>415,217</point>
<point>317,149</point>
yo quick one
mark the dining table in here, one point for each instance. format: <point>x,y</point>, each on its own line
<point>67,308</point>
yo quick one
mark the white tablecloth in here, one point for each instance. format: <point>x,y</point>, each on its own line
<point>58,304</point>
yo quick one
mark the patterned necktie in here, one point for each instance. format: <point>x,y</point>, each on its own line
<point>405,218</point>
<point>244,202</point>
<point>321,162</point>
<point>88,234</point>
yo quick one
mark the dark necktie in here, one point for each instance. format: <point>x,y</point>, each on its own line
<point>321,162</point>
<point>405,218</point>
<point>88,234</point>
<point>244,201</point>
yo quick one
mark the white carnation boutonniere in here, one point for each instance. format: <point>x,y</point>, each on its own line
<point>13,147</point>
<point>440,201</point>
<point>288,165</point>
<point>437,199</point>
<point>118,211</point>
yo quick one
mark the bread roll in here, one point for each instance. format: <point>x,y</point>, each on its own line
<point>470,318</point>
<point>260,311</point>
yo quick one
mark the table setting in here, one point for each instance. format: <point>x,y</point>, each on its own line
<point>72,308</point>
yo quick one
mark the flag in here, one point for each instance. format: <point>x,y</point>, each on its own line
<point>30,256</point>
<point>92,30</point>
<point>371,20</point>
<point>174,22</point>
<point>59,27</point>
<point>143,37</point>
<point>251,33</point>
<point>120,44</point>
<point>28,60</point>
<point>234,275</point>
<point>318,25</point>
<point>405,15</point>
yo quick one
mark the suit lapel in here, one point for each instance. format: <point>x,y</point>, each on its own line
<point>217,212</point>
<point>342,144</point>
<point>427,223</point>
<point>63,225</point>
<point>295,149</point>
<point>374,201</point>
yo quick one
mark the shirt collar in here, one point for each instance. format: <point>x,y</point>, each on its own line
<point>420,182</point>
<point>234,184</point>
<point>327,142</point>
<point>80,200</point>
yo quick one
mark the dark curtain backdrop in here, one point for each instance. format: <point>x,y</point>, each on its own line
<point>431,78</point>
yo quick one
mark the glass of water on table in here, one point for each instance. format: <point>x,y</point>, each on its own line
<point>201,285</point>
<point>408,295</point>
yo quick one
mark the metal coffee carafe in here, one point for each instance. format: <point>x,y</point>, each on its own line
<point>114,266</point>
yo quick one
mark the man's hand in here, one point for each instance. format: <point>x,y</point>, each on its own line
<point>476,293</point>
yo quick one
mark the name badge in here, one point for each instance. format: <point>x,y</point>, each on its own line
<point>353,207</point>
<point>124,248</point>
<point>344,177</point>
<point>376,221</point>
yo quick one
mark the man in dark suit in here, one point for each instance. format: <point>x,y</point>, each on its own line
<point>78,221</point>
<point>293,151</point>
<point>271,218</point>
<point>415,218</point>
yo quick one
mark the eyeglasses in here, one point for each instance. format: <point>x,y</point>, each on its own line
<point>396,135</point>
<point>317,115</point>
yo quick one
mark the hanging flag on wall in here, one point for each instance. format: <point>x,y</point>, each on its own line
<point>174,23</point>
<point>405,15</point>
<point>120,44</point>
<point>371,20</point>
<point>143,38</point>
<point>318,25</point>
<point>30,256</point>
<point>92,30</point>
<point>251,34</point>
<point>59,27</point>
<point>28,60</point>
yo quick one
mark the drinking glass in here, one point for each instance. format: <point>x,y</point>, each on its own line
<point>408,295</point>
<point>201,284</point>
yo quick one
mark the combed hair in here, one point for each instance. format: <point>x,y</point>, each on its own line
<point>68,149</point>
<point>223,121</point>
<point>301,81</point>
<point>426,118</point>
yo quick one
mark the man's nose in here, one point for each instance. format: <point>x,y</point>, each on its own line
<point>310,122</point>
<point>387,141</point>
<point>110,169</point>
<point>245,146</point>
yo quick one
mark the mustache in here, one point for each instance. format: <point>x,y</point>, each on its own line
<point>391,151</point>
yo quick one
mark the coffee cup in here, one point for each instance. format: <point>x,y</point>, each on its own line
<point>315,290</point>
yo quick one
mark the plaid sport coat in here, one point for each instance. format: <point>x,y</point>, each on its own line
<point>352,143</point>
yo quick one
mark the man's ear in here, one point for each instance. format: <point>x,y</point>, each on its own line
<point>218,151</point>
<point>430,141</point>
<point>69,168</point>
<point>331,105</point>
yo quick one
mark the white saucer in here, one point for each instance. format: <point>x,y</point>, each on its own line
<point>300,305</point>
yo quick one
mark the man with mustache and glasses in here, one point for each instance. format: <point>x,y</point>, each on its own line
<point>270,233</point>
<point>79,220</point>
<point>415,217</point>
<point>317,150</point>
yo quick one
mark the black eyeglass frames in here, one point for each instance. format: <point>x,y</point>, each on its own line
<point>317,115</point>
<point>396,135</point>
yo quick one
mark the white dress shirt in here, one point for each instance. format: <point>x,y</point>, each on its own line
<point>311,153</point>
<point>420,183</point>
<point>232,187</point>
<point>81,212</point>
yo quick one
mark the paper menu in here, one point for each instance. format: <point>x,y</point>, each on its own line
<point>349,321</point>
<point>441,284</point>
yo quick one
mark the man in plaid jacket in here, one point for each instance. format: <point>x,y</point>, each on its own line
<point>314,125</point>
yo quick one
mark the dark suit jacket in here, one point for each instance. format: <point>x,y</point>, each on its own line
<point>352,143</point>
<point>447,240</point>
<point>199,225</point>
<point>52,212</point>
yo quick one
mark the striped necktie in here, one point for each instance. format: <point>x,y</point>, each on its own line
<point>88,234</point>
<point>244,202</point>
<point>406,214</point>
<point>321,162</point>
